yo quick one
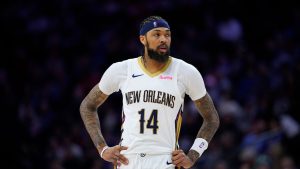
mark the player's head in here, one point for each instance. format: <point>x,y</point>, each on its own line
<point>155,35</point>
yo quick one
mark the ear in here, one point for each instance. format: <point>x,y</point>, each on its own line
<point>143,39</point>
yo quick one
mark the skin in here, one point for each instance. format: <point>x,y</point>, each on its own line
<point>90,104</point>
<point>88,112</point>
<point>209,127</point>
<point>154,38</point>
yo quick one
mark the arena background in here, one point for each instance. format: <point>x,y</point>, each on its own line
<point>53,52</point>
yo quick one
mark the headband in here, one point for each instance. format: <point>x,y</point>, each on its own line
<point>154,24</point>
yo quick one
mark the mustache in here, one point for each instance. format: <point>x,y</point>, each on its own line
<point>163,46</point>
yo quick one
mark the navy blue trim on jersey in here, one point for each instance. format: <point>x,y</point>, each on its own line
<point>178,122</point>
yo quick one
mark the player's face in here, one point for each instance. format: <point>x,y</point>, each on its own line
<point>157,44</point>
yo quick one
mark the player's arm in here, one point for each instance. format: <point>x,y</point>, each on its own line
<point>89,115</point>
<point>208,129</point>
<point>210,124</point>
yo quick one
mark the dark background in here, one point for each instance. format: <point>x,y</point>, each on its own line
<point>54,51</point>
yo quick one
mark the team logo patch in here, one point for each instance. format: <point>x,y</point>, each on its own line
<point>201,145</point>
<point>155,24</point>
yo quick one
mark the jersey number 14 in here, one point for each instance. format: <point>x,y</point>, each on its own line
<point>151,122</point>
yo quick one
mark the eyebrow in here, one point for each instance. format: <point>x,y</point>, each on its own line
<point>157,30</point>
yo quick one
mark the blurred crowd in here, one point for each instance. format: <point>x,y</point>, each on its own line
<point>54,52</point>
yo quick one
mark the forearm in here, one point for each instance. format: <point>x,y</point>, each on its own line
<point>206,132</point>
<point>208,129</point>
<point>92,124</point>
<point>210,116</point>
<point>210,123</point>
<point>89,115</point>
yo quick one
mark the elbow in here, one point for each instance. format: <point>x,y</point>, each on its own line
<point>86,108</point>
<point>216,121</point>
<point>82,107</point>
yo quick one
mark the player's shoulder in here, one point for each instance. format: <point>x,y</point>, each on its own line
<point>123,64</point>
<point>182,63</point>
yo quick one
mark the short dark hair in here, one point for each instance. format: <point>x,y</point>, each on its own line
<point>150,19</point>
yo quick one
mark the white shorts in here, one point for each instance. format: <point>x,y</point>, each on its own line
<point>146,161</point>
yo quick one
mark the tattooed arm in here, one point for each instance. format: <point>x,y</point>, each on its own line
<point>211,122</point>
<point>208,129</point>
<point>89,115</point>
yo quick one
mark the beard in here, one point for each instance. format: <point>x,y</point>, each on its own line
<point>161,57</point>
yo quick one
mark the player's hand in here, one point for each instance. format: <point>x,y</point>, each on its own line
<point>180,159</point>
<point>112,154</point>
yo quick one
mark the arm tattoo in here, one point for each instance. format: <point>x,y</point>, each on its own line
<point>210,116</point>
<point>193,155</point>
<point>210,124</point>
<point>89,115</point>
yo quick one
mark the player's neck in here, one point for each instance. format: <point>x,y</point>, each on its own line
<point>152,65</point>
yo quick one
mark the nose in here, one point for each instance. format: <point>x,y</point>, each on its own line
<point>162,39</point>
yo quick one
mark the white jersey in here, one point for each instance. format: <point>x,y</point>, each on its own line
<point>152,103</point>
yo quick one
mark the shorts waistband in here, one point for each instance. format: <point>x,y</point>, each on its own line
<point>148,154</point>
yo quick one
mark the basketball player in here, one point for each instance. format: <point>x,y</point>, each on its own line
<point>153,88</point>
